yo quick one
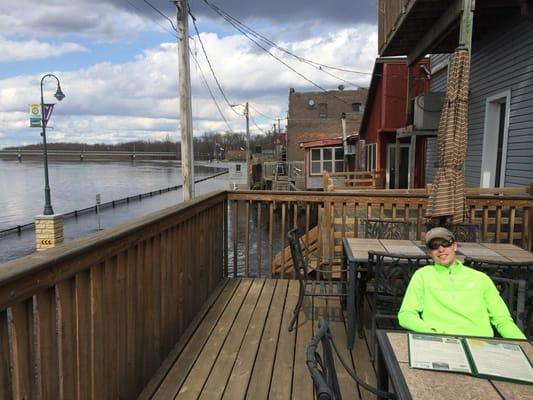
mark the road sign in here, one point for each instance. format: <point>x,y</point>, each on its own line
<point>46,242</point>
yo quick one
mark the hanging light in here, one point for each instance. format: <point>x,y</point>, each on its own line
<point>59,93</point>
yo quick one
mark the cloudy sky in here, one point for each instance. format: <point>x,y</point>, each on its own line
<point>117,63</point>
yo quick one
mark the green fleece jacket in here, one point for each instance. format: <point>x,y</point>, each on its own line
<point>455,300</point>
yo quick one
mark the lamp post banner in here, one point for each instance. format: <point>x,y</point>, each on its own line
<point>48,108</point>
<point>35,115</point>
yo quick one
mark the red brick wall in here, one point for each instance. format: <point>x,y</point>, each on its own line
<point>305,123</point>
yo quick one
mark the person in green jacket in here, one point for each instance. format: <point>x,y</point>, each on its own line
<point>450,298</point>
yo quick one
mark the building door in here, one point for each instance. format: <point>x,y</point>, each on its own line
<point>391,166</point>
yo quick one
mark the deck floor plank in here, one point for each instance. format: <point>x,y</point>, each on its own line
<point>361,356</point>
<point>259,384</point>
<point>240,375</point>
<point>218,378</point>
<point>302,384</point>
<point>281,382</point>
<point>337,326</point>
<point>240,348</point>
<point>196,380</point>
<point>182,365</point>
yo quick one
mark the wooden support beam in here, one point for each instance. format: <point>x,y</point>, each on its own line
<point>397,165</point>
<point>408,103</point>
<point>467,24</point>
<point>439,28</point>
<point>412,162</point>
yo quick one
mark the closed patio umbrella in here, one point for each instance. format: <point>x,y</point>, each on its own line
<point>447,198</point>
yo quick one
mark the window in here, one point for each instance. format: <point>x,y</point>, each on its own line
<point>370,157</point>
<point>323,110</point>
<point>237,167</point>
<point>330,159</point>
<point>357,107</point>
<point>495,136</point>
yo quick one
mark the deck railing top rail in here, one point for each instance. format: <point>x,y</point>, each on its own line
<point>350,195</point>
<point>98,246</point>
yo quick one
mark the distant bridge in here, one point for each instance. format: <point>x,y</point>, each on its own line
<point>88,155</point>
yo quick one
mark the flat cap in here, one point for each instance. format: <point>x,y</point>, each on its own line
<point>439,233</point>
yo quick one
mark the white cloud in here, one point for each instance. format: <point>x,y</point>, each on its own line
<point>100,20</point>
<point>11,50</point>
<point>139,99</point>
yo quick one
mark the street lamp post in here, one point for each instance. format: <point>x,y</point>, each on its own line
<point>59,95</point>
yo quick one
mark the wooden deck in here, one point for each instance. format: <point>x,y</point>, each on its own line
<point>239,347</point>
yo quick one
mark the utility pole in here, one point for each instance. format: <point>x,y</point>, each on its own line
<point>248,153</point>
<point>187,155</point>
<point>279,125</point>
<point>344,142</point>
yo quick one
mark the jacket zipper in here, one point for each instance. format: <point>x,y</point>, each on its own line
<point>450,280</point>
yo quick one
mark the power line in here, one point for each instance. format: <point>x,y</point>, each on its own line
<point>140,12</point>
<point>257,126</point>
<point>269,42</point>
<point>315,64</point>
<point>235,25</point>
<point>209,63</point>
<point>162,14</point>
<point>253,33</point>
<point>259,112</point>
<point>209,89</point>
<point>202,75</point>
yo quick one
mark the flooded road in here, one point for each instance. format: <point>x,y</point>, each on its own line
<point>74,185</point>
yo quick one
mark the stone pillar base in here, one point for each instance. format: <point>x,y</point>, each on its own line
<point>48,231</point>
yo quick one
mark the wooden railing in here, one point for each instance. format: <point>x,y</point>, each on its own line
<point>94,318</point>
<point>389,13</point>
<point>262,220</point>
<point>354,180</point>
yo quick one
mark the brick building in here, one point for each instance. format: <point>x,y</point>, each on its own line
<point>317,115</point>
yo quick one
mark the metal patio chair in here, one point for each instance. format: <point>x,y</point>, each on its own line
<point>322,367</point>
<point>319,288</point>
<point>463,232</point>
<point>391,274</point>
<point>513,292</point>
<point>518,271</point>
<point>375,228</point>
<point>387,229</point>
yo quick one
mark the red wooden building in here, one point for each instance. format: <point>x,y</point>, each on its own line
<point>385,113</point>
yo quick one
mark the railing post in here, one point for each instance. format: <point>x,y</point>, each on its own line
<point>247,242</point>
<point>225,227</point>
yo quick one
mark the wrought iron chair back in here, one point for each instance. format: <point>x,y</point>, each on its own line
<point>463,232</point>
<point>517,271</point>
<point>513,292</point>
<point>386,229</point>
<point>315,288</point>
<point>322,368</point>
<point>391,274</point>
<point>300,265</point>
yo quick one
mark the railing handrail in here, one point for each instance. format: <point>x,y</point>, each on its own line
<point>39,261</point>
<point>349,195</point>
